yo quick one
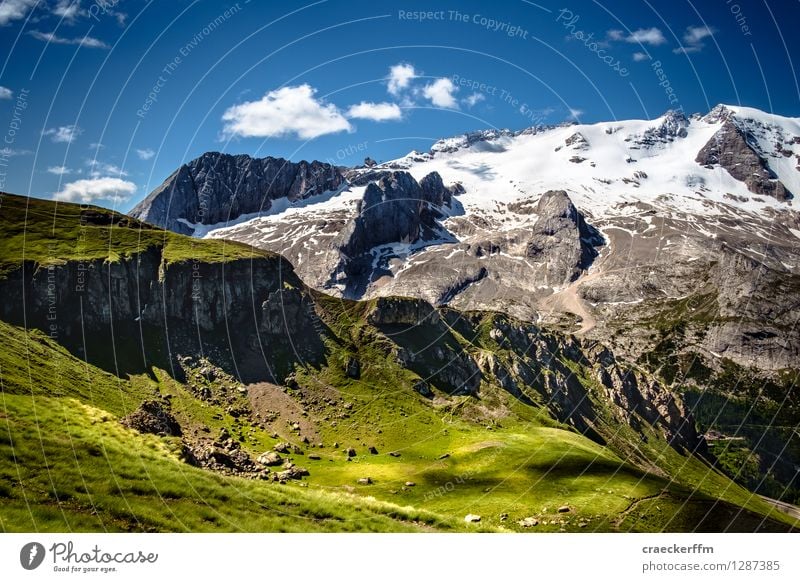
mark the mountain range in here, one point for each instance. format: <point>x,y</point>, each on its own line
<point>566,328</point>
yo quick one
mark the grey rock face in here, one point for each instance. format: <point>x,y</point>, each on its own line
<point>673,127</point>
<point>729,149</point>
<point>395,209</point>
<point>402,311</point>
<point>142,304</point>
<point>220,187</point>
<point>562,237</point>
<point>489,266</point>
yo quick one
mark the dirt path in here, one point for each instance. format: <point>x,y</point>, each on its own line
<point>633,505</point>
<point>569,300</point>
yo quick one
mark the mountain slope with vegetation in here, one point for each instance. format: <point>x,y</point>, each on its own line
<point>154,382</point>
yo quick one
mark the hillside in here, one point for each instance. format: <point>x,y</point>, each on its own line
<point>672,241</point>
<point>156,382</point>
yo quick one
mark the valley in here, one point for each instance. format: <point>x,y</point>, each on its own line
<point>385,415</point>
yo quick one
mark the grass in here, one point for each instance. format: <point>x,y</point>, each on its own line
<point>67,464</point>
<point>92,474</point>
<point>52,233</point>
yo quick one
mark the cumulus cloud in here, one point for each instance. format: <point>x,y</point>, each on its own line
<point>441,93</point>
<point>652,36</point>
<point>90,191</point>
<point>67,9</point>
<point>693,39</point>
<point>63,134</point>
<point>145,154</point>
<point>59,170</point>
<point>285,112</point>
<point>375,111</point>
<point>87,41</point>
<point>98,169</point>
<point>6,93</point>
<point>400,76</point>
<point>474,99</point>
<point>638,57</point>
<point>14,9</point>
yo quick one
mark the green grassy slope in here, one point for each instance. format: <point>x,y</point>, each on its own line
<point>51,233</point>
<point>67,464</point>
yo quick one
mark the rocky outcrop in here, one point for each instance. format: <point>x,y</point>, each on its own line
<point>220,187</point>
<point>395,209</point>
<point>401,311</point>
<point>673,126</point>
<point>729,149</point>
<point>153,417</point>
<point>562,238</point>
<point>223,455</point>
<point>142,304</point>
<point>537,366</point>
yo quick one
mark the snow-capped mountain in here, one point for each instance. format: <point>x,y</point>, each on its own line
<point>601,228</point>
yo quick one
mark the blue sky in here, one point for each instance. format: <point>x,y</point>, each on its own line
<point>101,101</point>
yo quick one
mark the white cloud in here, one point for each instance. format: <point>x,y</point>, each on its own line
<point>6,93</point>
<point>14,9</point>
<point>88,191</point>
<point>575,113</point>
<point>283,113</point>
<point>400,76</point>
<point>59,170</point>
<point>145,154</point>
<point>9,152</point>
<point>638,57</point>
<point>98,169</point>
<point>67,9</point>
<point>375,111</point>
<point>474,99</point>
<point>693,39</point>
<point>652,36</point>
<point>87,41</point>
<point>441,93</point>
<point>63,134</point>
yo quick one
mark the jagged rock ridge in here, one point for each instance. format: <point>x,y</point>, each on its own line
<point>217,188</point>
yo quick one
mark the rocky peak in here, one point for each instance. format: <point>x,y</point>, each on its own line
<point>395,209</point>
<point>562,237</point>
<point>217,187</point>
<point>730,148</point>
<point>674,125</point>
<point>577,141</point>
<point>718,114</point>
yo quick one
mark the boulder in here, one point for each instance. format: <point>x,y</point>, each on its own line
<point>270,459</point>
<point>153,417</point>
